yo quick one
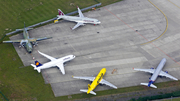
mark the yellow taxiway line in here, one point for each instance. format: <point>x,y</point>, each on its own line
<point>164,30</point>
<point>174,4</point>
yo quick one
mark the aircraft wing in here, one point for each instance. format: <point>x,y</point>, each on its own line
<point>12,41</point>
<point>80,13</point>
<point>107,83</point>
<point>85,78</point>
<point>39,39</point>
<point>77,25</point>
<point>47,56</point>
<point>145,70</point>
<point>162,73</point>
<point>61,67</point>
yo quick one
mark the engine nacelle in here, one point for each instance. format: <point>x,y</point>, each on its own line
<point>35,43</point>
<point>23,42</point>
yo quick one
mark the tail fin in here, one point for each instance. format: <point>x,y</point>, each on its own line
<point>38,64</point>
<point>146,84</point>
<point>60,12</point>
<point>85,90</point>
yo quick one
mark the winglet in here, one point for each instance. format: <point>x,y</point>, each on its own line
<point>77,7</point>
<point>72,76</point>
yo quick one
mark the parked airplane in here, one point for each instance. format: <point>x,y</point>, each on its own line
<point>156,72</point>
<point>95,81</point>
<point>80,20</point>
<point>27,42</point>
<point>54,62</point>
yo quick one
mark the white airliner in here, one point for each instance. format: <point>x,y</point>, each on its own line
<point>54,62</point>
<point>80,20</point>
<point>156,72</point>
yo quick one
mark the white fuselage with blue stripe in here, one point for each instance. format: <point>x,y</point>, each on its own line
<point>157,71</point>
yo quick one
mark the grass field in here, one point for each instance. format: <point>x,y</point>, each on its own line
<point>23,83</point>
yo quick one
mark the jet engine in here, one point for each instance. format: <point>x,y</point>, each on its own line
<point>23,43</point>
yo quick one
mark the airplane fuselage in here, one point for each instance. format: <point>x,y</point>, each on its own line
<point>157,71</point>
<point>27,44</point>
<point>97,80</point>
<point>79,19</point>
<point>54,62</point>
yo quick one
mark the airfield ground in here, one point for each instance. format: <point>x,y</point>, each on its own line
<point>114,44</point>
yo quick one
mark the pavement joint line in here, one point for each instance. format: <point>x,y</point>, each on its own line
<point>142,36</point>
<point>166,25</point>
<point>76,50</point>
<point>96,75</point>
<point>174,4</point>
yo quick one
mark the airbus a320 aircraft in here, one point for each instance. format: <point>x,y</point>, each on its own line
<point>156,72</point>
<point>54,62</point>
<point>27,42</point>
<point>95,81</point>
<point>80,20</point>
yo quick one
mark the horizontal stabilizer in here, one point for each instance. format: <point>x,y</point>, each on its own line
<point>33,65</point>
<point>85,90</point>
<point>35,68</point>
<point>146,84</point>
<point>39,70</point>
<point>59,17</point>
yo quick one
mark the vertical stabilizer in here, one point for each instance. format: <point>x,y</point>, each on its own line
<point>60,12</point>
<point>38,64</point>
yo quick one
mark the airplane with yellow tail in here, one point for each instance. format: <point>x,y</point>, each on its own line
<point>95,81</point>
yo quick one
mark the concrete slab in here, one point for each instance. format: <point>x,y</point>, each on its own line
<point>114,44</point>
